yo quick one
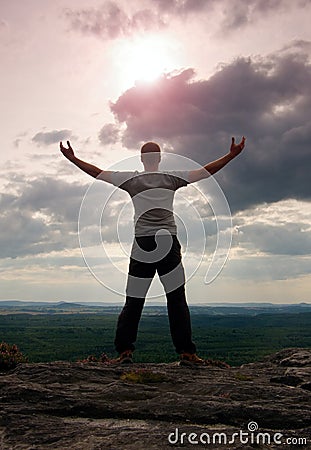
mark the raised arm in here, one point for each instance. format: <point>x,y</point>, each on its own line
<point>215,166</point>
<point>94,171</point>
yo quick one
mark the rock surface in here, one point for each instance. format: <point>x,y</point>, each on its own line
<point>64,405</point>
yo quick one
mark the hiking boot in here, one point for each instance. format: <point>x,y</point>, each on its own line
<point>125,357</point>
<point>191,359</point>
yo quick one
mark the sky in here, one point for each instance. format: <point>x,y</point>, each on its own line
<point>188,74</point>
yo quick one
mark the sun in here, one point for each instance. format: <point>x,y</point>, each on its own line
<point>145,59</point>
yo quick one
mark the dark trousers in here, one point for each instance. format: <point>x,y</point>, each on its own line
<point>140,275</point>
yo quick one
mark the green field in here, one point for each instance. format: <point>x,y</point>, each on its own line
<point>236,339</point>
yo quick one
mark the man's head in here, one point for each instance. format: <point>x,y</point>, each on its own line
<point>151,156</point>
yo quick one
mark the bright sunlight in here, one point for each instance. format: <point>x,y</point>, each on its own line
<point>145,59</point>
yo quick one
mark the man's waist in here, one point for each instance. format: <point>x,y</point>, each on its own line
<point>141,230</point>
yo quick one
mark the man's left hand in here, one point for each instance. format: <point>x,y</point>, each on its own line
<point>235,149</point>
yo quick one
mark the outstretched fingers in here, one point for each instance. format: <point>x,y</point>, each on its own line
<point>64,148</point>
<point>241,144</point>
<point>237,148</point>
<point>66,151</point>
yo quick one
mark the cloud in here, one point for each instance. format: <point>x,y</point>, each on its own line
<point>109,134</point>
<point>182,7</point>
<point>281,228</point>
<point>292,239</point>
<point>40,219</point>
<point>41,216</point>
<point>240,13</point>
<point>266,98</point>
<point>111,20</point>
<point>51,137</point>
<point>161,109</point>
<point>268,267</point>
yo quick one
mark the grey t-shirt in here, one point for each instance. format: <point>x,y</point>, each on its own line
<point>152,194</point>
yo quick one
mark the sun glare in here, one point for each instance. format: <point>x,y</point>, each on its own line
<point>145,59</point>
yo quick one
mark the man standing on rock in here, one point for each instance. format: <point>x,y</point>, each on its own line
<point>156,247</point>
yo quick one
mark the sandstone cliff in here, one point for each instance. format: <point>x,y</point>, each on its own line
<point>64,405</point>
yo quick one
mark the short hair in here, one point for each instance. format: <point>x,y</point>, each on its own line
<point>150,147</point>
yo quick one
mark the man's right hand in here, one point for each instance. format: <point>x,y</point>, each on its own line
<point>67,152</point>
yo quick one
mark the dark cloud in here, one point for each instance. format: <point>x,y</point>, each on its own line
<point>293,239</point>
<point>109,134</point>
<point>22,234</point>
<point>40,216</point>
<point>162,109</point>
<point>267,99</point>
<point>267,268</point>
<point>51,137</point>
<point>182,7</point>
<point>239,13</point>
<point>111,21</point>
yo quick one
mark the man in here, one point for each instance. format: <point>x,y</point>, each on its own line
<point>156,247</point>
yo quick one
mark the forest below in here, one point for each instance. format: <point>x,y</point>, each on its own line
<point>236,338</point>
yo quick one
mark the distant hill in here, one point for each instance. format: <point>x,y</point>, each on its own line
<point>11,306</point>
<point>67,305</point>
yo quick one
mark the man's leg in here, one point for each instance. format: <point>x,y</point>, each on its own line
<point>139,279</point>
<point>127,325</point>
<point>172,276</point>
<point>179,319</point>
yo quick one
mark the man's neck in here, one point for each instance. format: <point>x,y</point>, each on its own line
<point>152,169</point>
